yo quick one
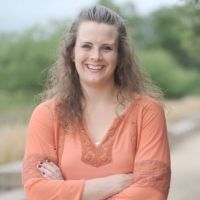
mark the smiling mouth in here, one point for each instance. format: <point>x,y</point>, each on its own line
<point>95,67</point>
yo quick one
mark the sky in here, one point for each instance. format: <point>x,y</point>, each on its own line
<point>16,15</point>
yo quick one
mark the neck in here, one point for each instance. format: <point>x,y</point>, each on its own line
<point>97,95</point>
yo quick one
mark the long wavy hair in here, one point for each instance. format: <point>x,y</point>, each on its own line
<point>63,80</point>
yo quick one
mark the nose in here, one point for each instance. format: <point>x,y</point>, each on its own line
<point>96,55</point>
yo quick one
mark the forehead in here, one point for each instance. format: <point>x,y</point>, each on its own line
<point>94,31</point>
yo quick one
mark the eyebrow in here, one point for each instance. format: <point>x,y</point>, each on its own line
<point>86,43</point>
<point>110,44</point>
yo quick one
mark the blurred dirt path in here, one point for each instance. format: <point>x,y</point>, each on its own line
<point>185,183</point>
<point>16,194</point>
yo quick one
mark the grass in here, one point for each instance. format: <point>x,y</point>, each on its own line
<point>15,110</point>
<point>12,142</point>
<point>10,101</point>
<point>184,107</point>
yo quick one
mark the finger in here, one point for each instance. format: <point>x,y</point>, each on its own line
<point>45,176</point>
<point>49,167</point>
<point>49,174</point>
<point>50,170</point>
<point>46,173</point>
<point>53,165</point>
<point>50,163</point>
<point>44,170</point>
<point>55,168</point>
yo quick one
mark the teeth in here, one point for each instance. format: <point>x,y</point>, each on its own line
<point>95,67</point>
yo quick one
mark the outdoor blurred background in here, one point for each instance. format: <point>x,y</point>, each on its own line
<point>166,40</point>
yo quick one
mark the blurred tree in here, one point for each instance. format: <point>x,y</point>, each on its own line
<point>178,30</point>
<point>25,58</point>
<point>167,74</point>
<point>167,38</point>
<point>191,11</point>
<point>110,4</point>
<point>134,23</point>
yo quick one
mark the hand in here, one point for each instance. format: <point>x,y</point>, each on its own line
<point>120,181</point>
<point>49,170</point>
<point>105,187</point>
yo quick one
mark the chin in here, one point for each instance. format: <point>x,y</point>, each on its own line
<point>93,82</point>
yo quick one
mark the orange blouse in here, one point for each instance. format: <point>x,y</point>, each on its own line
<point>136,142</point>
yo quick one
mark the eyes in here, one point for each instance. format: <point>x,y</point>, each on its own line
<point>105,48</point>
<point>86,46</point>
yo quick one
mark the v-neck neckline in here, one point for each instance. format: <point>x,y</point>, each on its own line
<point>109,131</point>
<point>101,154</point>
<point>105,135</point>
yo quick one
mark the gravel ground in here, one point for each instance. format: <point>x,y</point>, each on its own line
<point>17,194</point>
<point>185,165</point>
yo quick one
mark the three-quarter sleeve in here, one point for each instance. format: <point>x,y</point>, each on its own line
<point>41,145</point>
<point>151,173</point>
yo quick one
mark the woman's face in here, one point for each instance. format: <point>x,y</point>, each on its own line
<point>95,53</point>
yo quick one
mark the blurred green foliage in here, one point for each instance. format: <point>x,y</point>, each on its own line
<point>25,58</point>
<point>167,43</point>
<point>167,73</point>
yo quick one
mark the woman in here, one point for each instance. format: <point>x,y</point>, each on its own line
<point>101,131</point>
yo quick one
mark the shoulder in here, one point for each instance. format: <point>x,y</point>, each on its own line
<point>145,102</point>
<point>150,114</point>
<point>146,107</point>
<point>45,109</point>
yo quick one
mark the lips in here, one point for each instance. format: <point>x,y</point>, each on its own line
<point>95,67</point>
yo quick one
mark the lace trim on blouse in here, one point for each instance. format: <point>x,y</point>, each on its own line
<point>97,155</point>
<point>154,174</point>
<point>101,154</point>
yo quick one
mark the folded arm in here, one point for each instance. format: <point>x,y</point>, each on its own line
<point>151,171</point>
<point>42,145</point>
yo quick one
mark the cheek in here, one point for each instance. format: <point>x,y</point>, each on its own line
<point>79,56</point>
<point>114,60</point>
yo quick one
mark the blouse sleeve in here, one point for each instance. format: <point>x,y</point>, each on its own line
<point>40,146</point>
<point>151,173</point>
